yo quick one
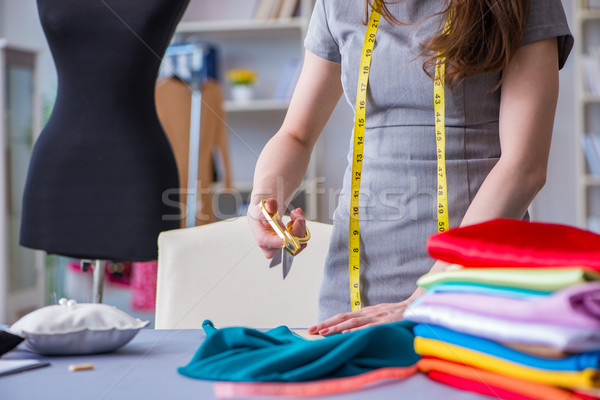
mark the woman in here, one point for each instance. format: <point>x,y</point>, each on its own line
<point>502,62</point>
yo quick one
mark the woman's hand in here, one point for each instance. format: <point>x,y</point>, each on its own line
<point>265,236</point>
<point>370,316</point>
<point>282,164</point>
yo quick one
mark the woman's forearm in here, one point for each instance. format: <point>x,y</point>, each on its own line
<point>284,160</point>
<point>507,192</point>
<point>280,168</point>
<point>527,107</point>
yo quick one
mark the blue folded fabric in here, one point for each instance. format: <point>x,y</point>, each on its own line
<point>248,355</point>
<point>576,362</point>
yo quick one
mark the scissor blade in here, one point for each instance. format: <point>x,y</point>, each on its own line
<point>287,263</point>
<point>276,260</point>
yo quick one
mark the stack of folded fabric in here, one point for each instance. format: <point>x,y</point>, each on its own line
<point>518,316</point>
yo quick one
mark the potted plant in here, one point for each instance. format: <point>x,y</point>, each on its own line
<point>242,81</point>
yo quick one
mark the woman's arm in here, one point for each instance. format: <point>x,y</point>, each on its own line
<point>527,107</point>
<point>283,162</point>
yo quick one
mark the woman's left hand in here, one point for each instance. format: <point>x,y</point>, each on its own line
<point>370,316</point>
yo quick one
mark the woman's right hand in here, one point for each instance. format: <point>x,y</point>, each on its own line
<point>265,236</point>
<point>287,154</point>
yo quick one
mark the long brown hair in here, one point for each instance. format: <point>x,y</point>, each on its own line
<point>483,36</point>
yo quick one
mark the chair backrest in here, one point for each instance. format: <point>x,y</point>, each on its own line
<point>217,272</point>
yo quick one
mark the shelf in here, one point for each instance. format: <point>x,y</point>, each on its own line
<point>241,26</point>
<point>266,46</point>
<point>256,105</point>
<point>587,14</point>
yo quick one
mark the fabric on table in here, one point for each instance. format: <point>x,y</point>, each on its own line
<point>466,287</point>
<point>547,279</point>
<point>278,355</point>
<point>235,390</point>
<point>450,352</point>
<point>576,362</point>
<point>568,339</point>
<point>484,382</point>
<point>398,178</point>
<point>514,243</point>
<point>574,306</point>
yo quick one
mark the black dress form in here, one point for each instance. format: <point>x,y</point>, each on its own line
<point>102,168</point>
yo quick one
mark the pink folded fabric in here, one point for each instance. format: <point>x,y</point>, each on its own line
<point>574,306</point>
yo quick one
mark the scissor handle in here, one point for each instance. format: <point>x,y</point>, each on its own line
<point>300,240</point>
<point>290,241</point>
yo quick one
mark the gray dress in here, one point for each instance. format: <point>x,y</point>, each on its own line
<point>398,181</point>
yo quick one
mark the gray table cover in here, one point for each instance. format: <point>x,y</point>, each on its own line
<point>146,369</point>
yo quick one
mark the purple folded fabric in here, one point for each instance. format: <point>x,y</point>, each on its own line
<point>587,302</point>
<point>574,306</point>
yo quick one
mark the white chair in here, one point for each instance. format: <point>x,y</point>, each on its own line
<point>217,272</point>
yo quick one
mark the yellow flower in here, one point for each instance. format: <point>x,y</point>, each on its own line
<point>241,76</point>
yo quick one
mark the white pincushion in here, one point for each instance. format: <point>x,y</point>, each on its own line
<point>71,328</point>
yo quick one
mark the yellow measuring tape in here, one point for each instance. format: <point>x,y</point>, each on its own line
<point>357,156</point>
<point>439,108</point>
<point>357,152</point>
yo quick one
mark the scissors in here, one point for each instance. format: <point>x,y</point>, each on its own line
<point>291,244</point>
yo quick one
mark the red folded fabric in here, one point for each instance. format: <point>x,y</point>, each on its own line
<point>489,383</point>
<point>507,243</point>
<point>495,391</point>
<point>477,387</point>
<point>588,394</point>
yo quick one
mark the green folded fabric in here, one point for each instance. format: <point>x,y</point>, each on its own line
<point>248,355</point>
<point>546,279</point>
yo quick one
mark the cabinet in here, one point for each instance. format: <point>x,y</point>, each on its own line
<point>21,269</point>
<point>267,46</point>
<point>587,52</point>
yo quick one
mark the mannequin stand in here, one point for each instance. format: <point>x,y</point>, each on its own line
<point>98,267</point>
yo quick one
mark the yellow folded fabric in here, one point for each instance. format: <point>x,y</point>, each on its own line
<point>586,378</point>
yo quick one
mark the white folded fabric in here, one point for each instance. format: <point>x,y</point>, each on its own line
<point>568,339</point>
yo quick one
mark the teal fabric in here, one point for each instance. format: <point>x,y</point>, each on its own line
<point>248,355</point>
